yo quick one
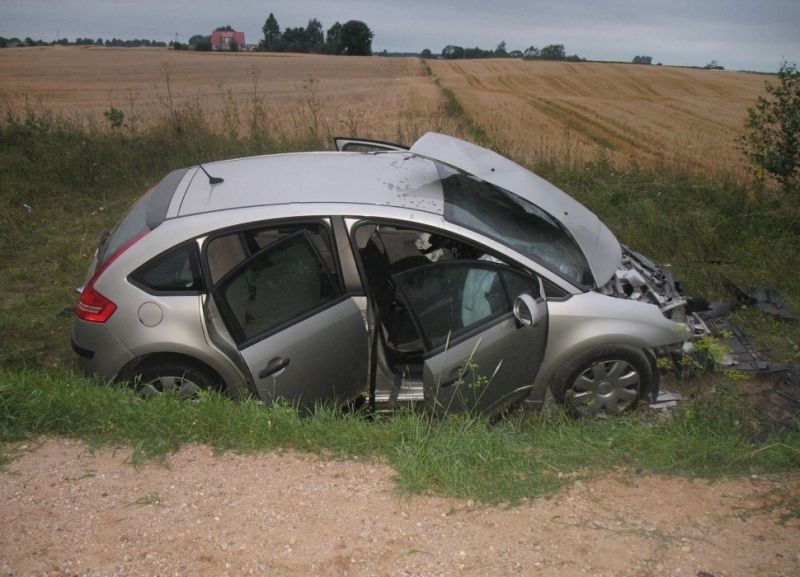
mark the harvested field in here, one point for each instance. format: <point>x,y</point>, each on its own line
<point>686,119</point>
<point>291,93</point>
<point>682,117</point>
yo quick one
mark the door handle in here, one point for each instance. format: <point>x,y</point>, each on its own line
<point>456,375</point>
<point>276,365</point>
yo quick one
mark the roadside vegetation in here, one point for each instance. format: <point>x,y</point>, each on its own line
<point>63,182</point>
<point>524,457</point>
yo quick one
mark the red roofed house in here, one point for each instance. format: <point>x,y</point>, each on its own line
<point>227,39</point>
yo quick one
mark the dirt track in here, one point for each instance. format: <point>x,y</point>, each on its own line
<point>68,511</point>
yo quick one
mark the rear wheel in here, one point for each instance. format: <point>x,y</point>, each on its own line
<point>603,380</point>
<point>176,376</point>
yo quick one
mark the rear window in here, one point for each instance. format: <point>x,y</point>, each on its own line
<point>146,214</point>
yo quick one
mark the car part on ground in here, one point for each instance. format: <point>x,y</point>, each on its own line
<point>780,407</point>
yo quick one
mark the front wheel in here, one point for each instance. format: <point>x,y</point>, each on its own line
<point>172,376</point>
<point>603,380</point>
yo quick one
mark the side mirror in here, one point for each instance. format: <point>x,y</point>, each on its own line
<point>526,310</point>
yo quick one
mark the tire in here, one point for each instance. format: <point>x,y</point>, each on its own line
<point>603,380</point>
<point>175,376</point>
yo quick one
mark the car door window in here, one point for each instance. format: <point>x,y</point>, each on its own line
<point>225,251</point>
<point>449,299</point>
<point>285,280</point>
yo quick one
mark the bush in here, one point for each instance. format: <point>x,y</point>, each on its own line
<point>772,142</point>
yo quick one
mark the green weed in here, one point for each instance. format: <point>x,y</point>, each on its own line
<point>459,455</point>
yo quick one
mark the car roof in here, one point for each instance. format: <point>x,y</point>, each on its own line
<point>408,179</point>
<point>398,179</point>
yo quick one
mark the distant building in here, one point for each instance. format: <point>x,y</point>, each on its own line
<point>227,39</point>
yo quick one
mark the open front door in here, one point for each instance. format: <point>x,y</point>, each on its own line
<point>480,355</point>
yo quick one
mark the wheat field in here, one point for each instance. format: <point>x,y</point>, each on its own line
<point>687,119</point>
<point>387,98</point>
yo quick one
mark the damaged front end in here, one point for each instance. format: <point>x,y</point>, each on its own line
<point>640,279</point>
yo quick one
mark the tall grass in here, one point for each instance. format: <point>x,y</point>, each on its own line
<point>461,456</point>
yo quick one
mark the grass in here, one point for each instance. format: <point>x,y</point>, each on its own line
<point>62,183</point>
<point>461,456</point>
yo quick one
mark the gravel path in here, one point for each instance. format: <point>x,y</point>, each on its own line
<point>68,511</point>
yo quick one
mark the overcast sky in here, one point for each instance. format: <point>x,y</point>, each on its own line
<point>744,35</point>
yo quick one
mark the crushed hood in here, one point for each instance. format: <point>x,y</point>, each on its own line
<point>598,243</point>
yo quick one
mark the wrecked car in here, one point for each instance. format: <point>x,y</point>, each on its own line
<point>442,274</point>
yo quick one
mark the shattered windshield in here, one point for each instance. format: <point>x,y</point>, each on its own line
<point>515,222</point>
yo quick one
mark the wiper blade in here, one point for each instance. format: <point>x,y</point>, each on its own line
<point>101,246</point>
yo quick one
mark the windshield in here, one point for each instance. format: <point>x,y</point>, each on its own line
<point>515,222</point>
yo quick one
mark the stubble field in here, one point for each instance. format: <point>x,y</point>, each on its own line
<point>378,97</point>
<point>685,119</point>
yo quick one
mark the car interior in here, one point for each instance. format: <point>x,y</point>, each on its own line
<point>403,263</point>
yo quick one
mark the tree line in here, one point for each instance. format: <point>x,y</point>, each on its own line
<point>550,52</point>
<point>353,38</point>
<point>28,42</point>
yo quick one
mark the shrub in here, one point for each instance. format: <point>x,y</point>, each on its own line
<point>772,141</point>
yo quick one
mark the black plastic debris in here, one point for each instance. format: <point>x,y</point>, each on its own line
<point>742,354</point>
<point>780,407</point>
<point>767,300</point>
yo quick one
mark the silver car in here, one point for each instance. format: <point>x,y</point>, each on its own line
<point>444,274</point>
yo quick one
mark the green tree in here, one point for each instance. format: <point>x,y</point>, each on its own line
<point>426,53</point>
<point>451,52</point>
<point>772,140</point>
<point>294,40</point>
<point>272,34</point>
<point>195,40</point>
<point>356,39</point>
<point>531,53</point>
<point>333,39</point>
<point>314,36</point>
<point>553,52</point>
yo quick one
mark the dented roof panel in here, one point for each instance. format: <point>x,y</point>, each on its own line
<point>402,180</point>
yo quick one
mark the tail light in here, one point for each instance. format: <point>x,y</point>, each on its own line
<point>94,306</point>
